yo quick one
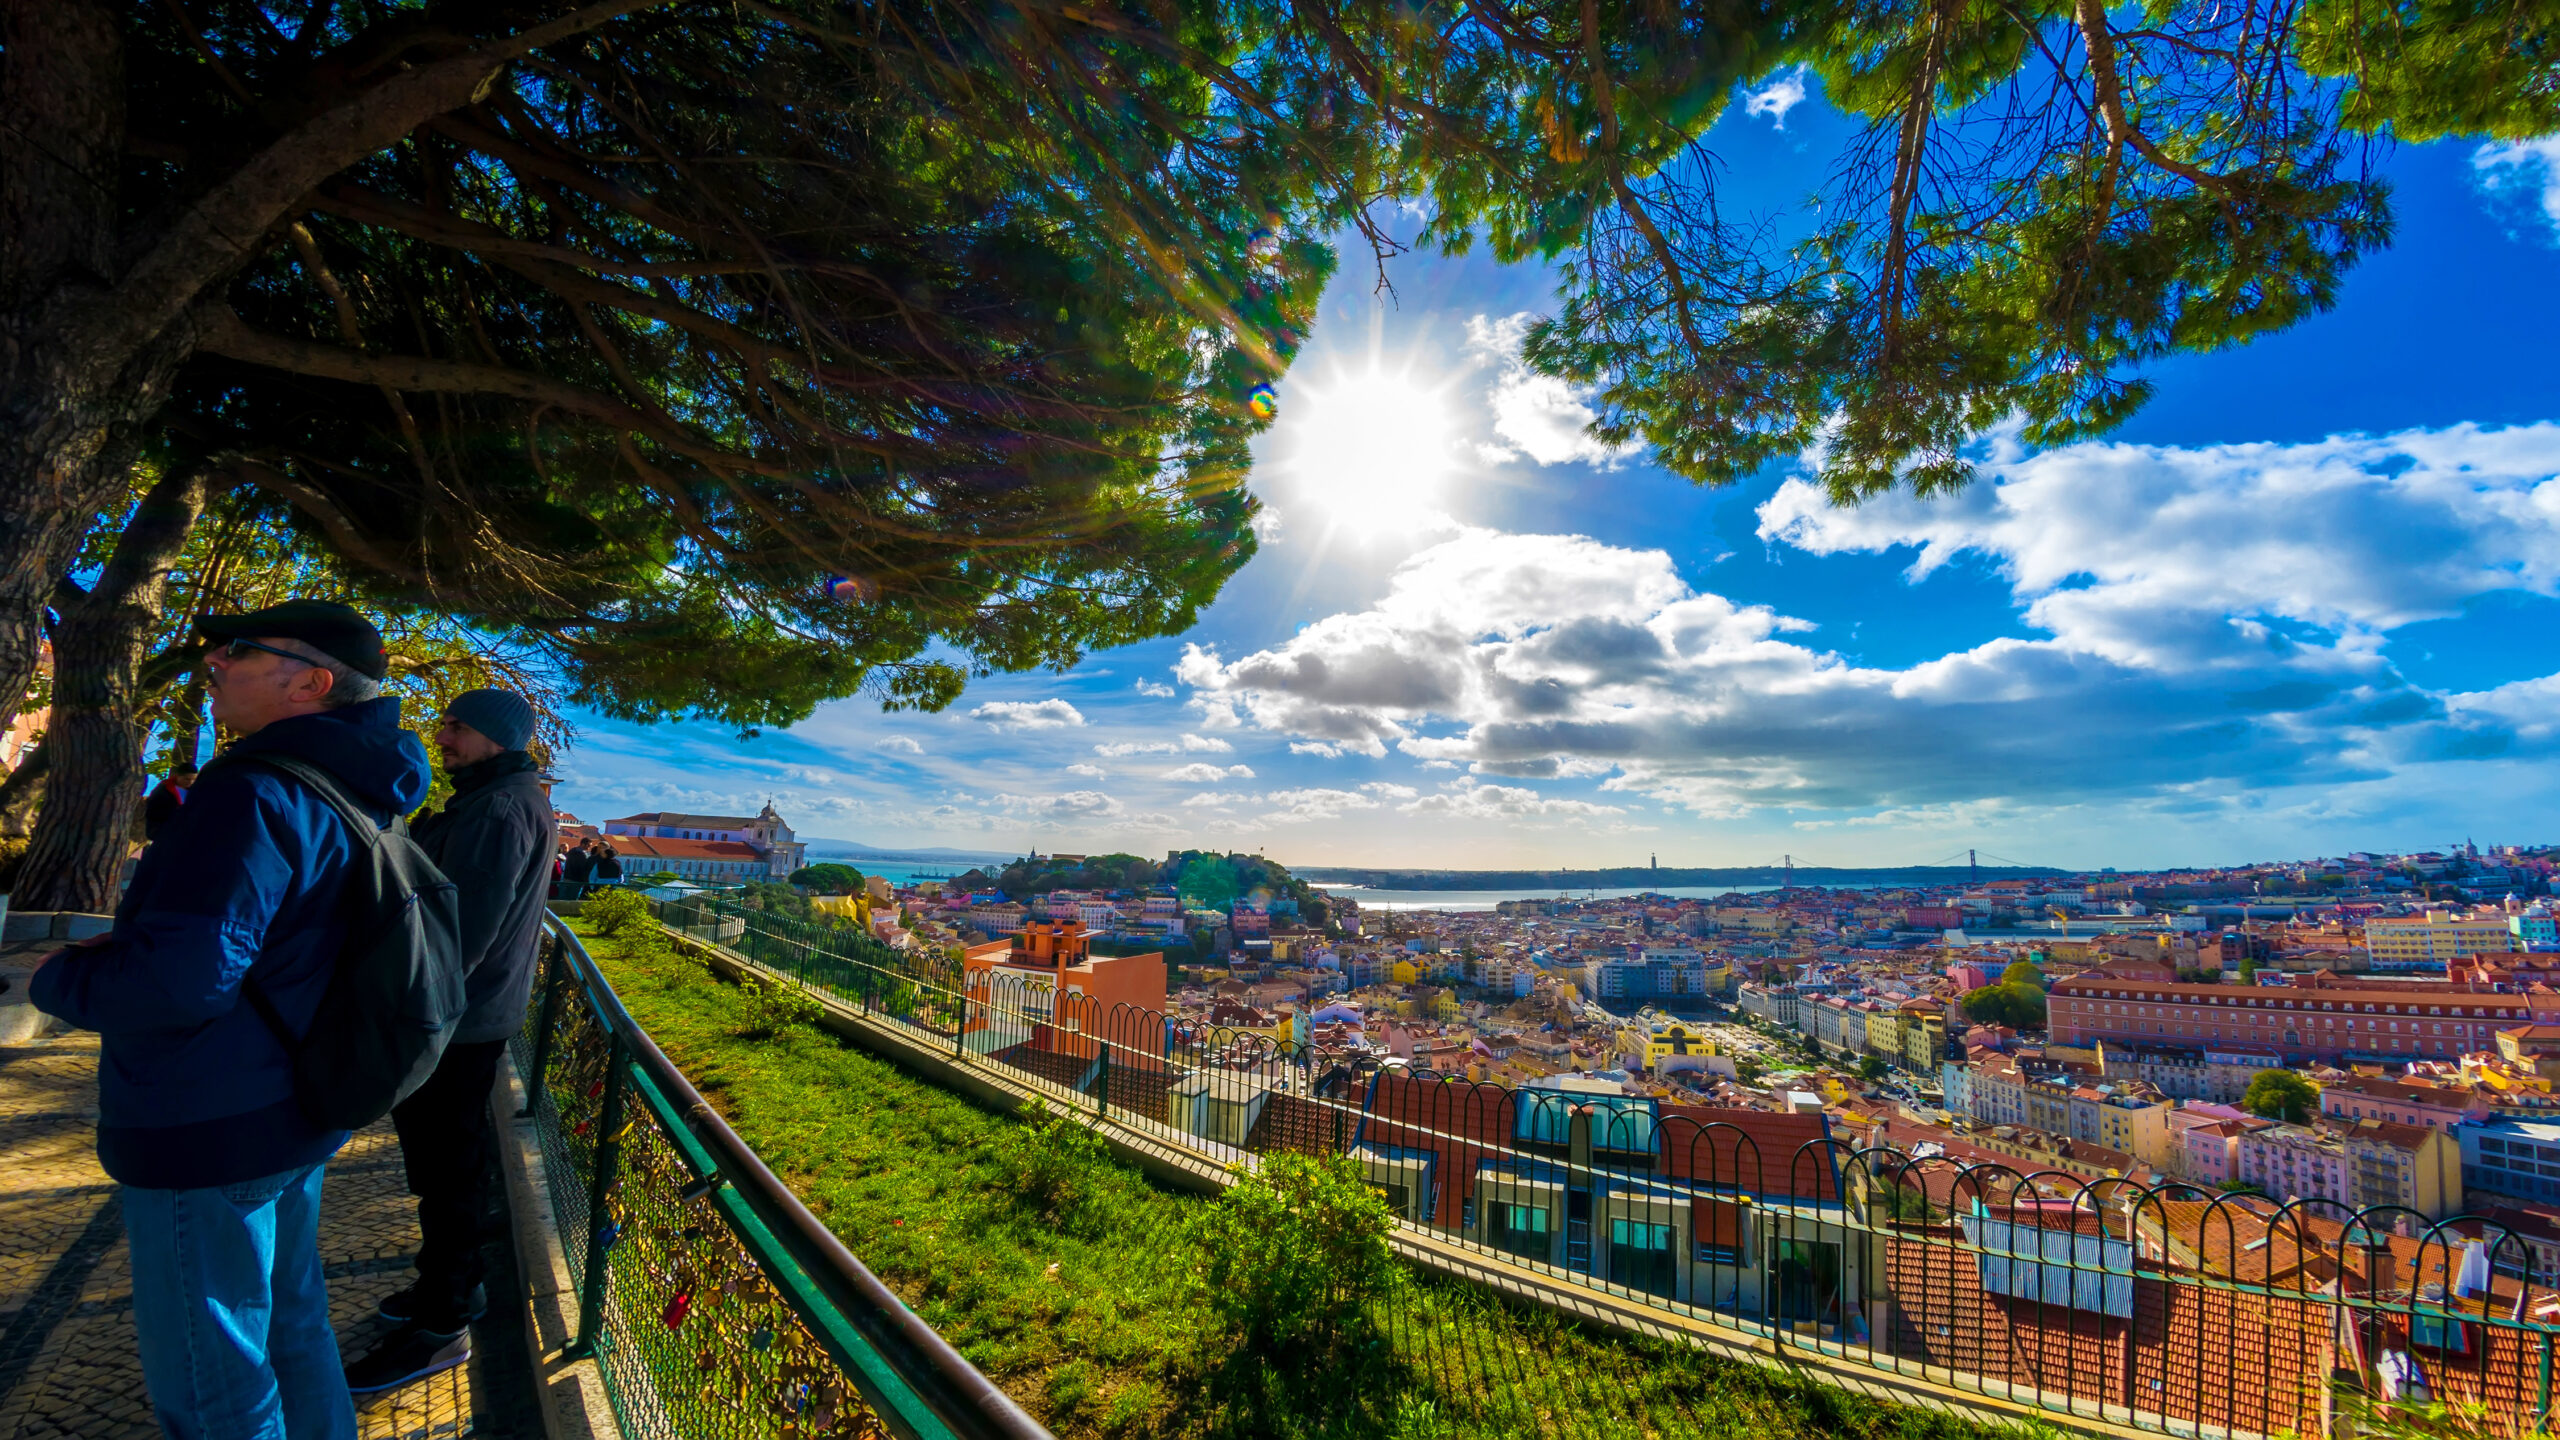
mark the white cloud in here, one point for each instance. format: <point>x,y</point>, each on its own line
<point>1090,772</point>
<point>1201,774</point>
<point>1297,807</point>
<point>1071,806</point>
<point>2211,617</point>
<point>1187,744</point>
<point>899,745</point>
<point>1156,689</point>
<point>1777,97</point>
<point>1028,714</point>
<point>2524,172</point>
<point>1536,415</point>
<point>1214,799</point>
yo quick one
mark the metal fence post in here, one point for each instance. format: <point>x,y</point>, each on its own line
<point>608,1158</point>
<point>556,965</point>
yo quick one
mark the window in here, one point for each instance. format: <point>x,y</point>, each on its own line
<point>1521,1230</point>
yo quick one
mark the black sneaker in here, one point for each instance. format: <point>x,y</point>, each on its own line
<point>407,1356</point>
<point>401,1307</point>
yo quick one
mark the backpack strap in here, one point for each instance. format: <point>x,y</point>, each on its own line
<point>320,782</point>
<point>366,829</point>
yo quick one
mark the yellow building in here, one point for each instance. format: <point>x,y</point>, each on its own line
<point>1676,1047</point>
<point>1884,1034</point>
<point>2436,937</point>
<point>1924,1036</point>
<point>2139,1130</point>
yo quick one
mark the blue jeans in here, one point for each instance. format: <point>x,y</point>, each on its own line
<point>233,1314</point>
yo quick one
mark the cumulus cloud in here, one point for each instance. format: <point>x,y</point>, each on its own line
<point>2210,617</point>
<point>2524,173</point>
<point>1156,689</point>
<point>899,745</point>
<point>1297,807</point>
<point>1777,97</point>
<point>1028,714</point>
<point>1072,806</point>
<point>1536,415</point>
<point>1203,774</point>
<point>1090,772</point>
<point>1186,744</point>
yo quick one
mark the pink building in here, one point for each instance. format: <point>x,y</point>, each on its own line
<point>2204,1147</point>
<point>2293,1162</point>
<point>1969,976</point>
<point>2371,1097</point>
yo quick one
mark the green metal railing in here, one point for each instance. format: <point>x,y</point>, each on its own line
<point>712,1301</point>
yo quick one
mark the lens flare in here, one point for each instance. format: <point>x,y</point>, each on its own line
<point>852,589</point>
<point>1263,401</point>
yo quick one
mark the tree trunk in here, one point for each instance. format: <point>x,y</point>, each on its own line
<point>186,727</point>
<point>62,108</point>
<point>20,794</point>
<point>85,829</point>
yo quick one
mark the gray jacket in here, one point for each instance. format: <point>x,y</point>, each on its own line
<point>494,839</point>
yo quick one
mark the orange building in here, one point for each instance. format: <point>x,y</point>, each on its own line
<point>1013,985</point>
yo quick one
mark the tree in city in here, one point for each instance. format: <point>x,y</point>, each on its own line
<point>738,358</point>
<point>2019,1007</point>
<point>126,664</point>
<point>2281,1095</point>
<point>1871,1068</point>
<point>2023,972</point>
<point>2038,201</point>
<point>828,877</point>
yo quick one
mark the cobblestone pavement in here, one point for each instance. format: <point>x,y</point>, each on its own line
<point>67,1361</point>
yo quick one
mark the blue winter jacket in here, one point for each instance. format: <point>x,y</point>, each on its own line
<point>194,1090</point>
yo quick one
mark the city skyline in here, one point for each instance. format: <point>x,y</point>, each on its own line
<point>2301,604</point>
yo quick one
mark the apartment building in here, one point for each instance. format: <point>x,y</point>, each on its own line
<point>2410,1166</point>
<point>2295,1162</point>
<point>2321,1016</point>
<point>2432,940</point>
<point>2396,1102</point>
<point>2519,1159</point>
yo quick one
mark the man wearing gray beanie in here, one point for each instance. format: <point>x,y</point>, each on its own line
<point>495,839</point>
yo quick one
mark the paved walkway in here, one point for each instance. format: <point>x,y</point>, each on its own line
<point>67,1362</point>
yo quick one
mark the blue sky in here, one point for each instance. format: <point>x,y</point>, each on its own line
<point>2307,601</point>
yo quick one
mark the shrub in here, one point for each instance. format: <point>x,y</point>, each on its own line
<point>1293,1254</point>
<point>769,1007</point>
<point>612,912</point>
<point>1047,1163</point>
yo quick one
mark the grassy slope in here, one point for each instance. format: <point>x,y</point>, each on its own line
<point>1097,1325</point>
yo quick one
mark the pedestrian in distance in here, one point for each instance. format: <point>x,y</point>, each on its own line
<point>575,867</point>
<point>161,805</point>
<point>608,869</point>
<point>230,943</point>
<point>496,840</point>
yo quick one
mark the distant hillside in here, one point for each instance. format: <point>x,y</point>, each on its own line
<point>1666,878</point>
<point>856,850</point>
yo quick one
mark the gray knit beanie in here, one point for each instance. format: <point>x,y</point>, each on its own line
<point>503,717</point>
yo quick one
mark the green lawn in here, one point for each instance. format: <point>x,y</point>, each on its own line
<point>1098,1322</point>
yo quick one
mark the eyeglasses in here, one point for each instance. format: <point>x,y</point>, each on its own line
<point>235,649</point>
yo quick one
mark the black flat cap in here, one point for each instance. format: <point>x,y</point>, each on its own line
<point>335,630</point>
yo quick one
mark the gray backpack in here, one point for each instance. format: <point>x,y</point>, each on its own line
<point>395,993</point>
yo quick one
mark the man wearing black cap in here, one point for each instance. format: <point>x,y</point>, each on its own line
<point>196,1109</point>
<point>494,839</point>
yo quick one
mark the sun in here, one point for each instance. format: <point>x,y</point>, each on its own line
<point>1371,450</point>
